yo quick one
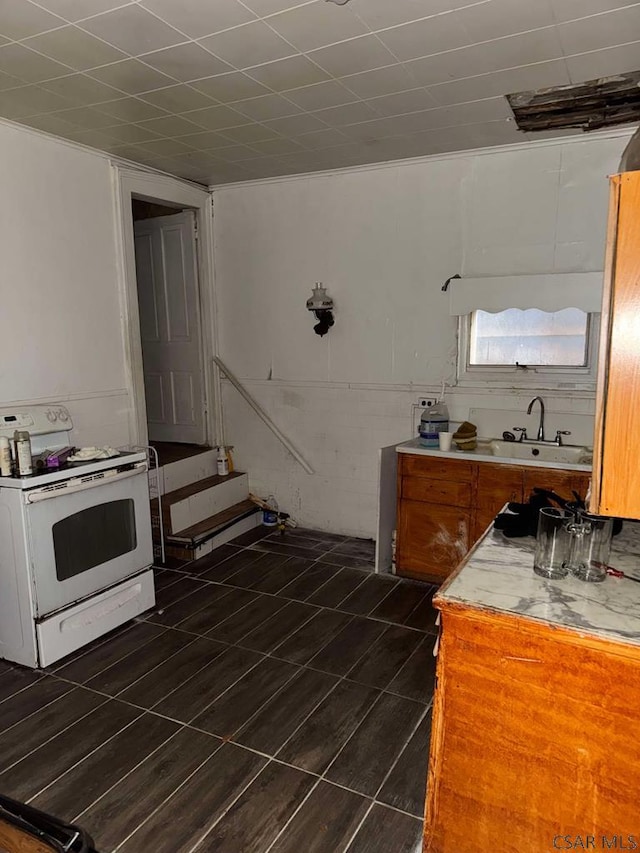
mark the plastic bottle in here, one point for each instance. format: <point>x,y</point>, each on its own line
<point>5,457</point>
<point>434,421</point>
<point>222,461</point>
<point>24,463</point>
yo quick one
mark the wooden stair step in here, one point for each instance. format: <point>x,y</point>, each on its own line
<point>199,486</point>
<point>198,533</point>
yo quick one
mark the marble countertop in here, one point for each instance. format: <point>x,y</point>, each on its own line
<point>499,576</point>
<point>483,455</point>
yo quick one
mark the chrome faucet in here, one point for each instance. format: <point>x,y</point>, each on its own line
<point>541,426</point>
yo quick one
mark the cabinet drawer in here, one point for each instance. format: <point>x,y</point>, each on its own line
<point>441,492</point>
<point>561,482</point>
<point>436,468</point>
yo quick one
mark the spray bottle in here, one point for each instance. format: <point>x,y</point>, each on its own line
<point>433,421</point>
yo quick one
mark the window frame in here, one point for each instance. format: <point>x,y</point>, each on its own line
<point>582,378</point>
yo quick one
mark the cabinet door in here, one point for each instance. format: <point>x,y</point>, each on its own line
<point>431,540</point>
<point>496,485</point>
<point>558,481</point>
<point>616,472</point>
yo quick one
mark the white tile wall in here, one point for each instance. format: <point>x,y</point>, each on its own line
<point>383,241</point>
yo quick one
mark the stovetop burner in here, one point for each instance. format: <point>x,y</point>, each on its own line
<point>68,470</point>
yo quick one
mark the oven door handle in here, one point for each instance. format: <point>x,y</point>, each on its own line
<point>90,482</point>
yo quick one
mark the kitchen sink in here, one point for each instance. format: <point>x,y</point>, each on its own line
<point>542,451</point>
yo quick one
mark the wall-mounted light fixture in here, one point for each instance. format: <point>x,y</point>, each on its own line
<point>322,307</point>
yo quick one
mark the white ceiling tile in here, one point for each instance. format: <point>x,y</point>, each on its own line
<point>170,126</point>
<point>317,25</point>
<point>277,147</point>
<point>569,10</point>
<point>388,13</point>
<point>131,133</point>
<point>133,30</point>
<point>82,89</point>
<point>74,47</point>
<point>74,10</point>
<point>351,57</point>
<point>347,114</point>
<point>166,147</point>
<point>49,123</point>
<point>131,76</point>
<point>600,31</point>
<point>320,95</point>
<point>94,138</point>
<point>538,76</point>
<point>20,19</point>
<point>185,62</point>
<point>236,153</point>
<point>88,118</point>
<point>178,99</point>
<point>270,7</point>
<point>510,52</point>
<point>294,125</point>
<point>131,109</point>
<point>266,107</point>
<point>217,118</point>
<point>604,63</point>
<point>199,18</point>
<point>19,61</point>
<point>493,133</point>
<point>288,73</point>
<point>422,38</point>
<point>234,86</point>
<point>250,133</point>
<point>382,81</point>
<point>249,44</point>
<point>29,100</point>
<point>402,102</point>
<point>9,82</point>
<point>323,138</point>
<point>504,18</point>
<point>206,140</point>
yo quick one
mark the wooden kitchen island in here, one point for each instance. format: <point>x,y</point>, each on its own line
<point>536,723</point>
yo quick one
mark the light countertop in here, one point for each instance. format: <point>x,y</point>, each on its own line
<point>499,576</point>
<point>482,455</point>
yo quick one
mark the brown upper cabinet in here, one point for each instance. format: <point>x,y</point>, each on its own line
<point>616,464</point>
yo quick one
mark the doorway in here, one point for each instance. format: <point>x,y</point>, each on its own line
<point>165,241</point>
<point>167,250</point>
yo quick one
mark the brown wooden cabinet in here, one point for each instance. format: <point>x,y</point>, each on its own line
<point>445,505</point>
<point>616,471</point>
<point>495,485</point>
<point>534,737</point>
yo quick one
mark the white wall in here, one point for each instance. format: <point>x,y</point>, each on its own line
<point>383,240</point>
<point>61,337</point>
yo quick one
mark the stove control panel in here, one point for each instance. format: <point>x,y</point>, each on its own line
<point>38,420</point>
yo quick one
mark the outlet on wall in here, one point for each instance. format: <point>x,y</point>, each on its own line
<point>425,402</point>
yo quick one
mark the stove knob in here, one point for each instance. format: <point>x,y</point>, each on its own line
<point>63,415</point>
<point>51,416</point>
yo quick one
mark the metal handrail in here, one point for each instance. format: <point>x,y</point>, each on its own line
<point>257,408</point>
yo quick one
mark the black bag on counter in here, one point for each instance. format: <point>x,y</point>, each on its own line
<point>522,519</point>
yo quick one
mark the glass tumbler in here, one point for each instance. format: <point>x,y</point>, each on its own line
<point>590,546</point>
<point>553,543</point>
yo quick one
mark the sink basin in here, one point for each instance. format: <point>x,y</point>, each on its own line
<point>541,451</point>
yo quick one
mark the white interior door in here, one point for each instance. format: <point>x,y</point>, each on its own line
<point>170,327</point>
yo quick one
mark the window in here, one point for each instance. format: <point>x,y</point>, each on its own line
<point>530,337</point>
<point>519,347</point>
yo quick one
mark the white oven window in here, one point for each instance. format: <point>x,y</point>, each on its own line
<point>93,536</point>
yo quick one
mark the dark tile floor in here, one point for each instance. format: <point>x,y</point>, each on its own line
<point>277,700</point>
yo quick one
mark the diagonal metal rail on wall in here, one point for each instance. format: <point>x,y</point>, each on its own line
<point>257,408</point>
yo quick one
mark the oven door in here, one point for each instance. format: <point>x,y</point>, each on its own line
<point>87,534</point>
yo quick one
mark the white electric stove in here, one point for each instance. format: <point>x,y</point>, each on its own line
<point>75,544</point>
